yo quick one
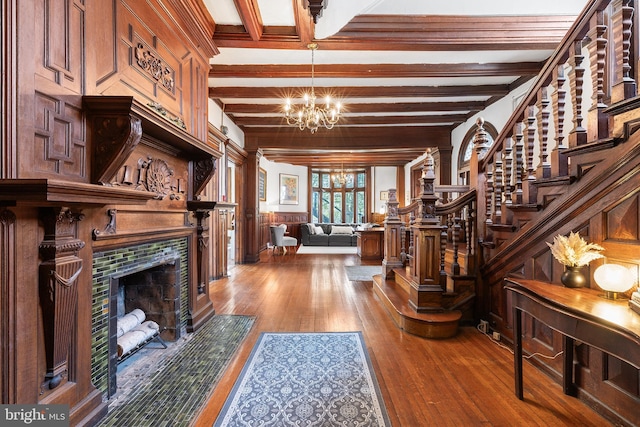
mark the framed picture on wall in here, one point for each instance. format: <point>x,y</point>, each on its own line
<point>288,189</point>
<point>262,185</point>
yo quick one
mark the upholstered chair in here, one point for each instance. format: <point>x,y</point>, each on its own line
<point>280,241</point>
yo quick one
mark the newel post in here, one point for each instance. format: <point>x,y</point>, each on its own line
<point>392,236</point>
<point>477,176</point>
<point>429,280</point>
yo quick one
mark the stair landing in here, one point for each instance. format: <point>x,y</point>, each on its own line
<point>442,324</point>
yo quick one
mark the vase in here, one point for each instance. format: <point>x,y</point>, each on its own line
<point>572,277</point>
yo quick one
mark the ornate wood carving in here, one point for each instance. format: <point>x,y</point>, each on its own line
<point>59,273</point>
<point>114,139</point>
<point>202,211</point>
<point>153,65</point>
<point>203,171</point>
<point>110,228</point>
<point>315,8</point>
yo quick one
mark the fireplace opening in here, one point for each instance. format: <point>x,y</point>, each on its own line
<point>149,294</point>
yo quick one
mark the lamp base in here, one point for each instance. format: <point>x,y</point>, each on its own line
<point>613,295</point>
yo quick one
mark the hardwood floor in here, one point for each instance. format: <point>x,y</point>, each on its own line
<point>462,381</point>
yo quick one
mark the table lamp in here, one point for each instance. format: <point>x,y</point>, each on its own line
<point>614,279</point>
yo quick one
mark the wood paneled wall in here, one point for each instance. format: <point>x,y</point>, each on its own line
<point>293,220</point>
<point>61,51</point>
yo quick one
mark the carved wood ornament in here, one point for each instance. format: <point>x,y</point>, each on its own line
<point>59,271</point>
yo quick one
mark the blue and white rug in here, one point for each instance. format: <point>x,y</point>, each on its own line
<point>306,379</point>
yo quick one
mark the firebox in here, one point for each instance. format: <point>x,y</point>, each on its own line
<point>148,277</point>
<point>154,289</point>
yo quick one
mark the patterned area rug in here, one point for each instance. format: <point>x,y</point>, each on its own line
<point>362,272</point>
<point>306,379</point>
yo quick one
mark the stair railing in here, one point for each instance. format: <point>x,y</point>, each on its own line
<point>456,219</point>
<point>507,175</point>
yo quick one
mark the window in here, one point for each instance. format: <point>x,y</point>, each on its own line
<point>338,196</point>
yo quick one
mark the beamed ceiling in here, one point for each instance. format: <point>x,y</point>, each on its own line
<point>407,72</point>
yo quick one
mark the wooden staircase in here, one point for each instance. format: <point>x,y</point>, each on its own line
<point>585,179</point>
<point>428,285</point>
<point>394,295</point>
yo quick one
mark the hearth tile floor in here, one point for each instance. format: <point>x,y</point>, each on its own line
<point>166,387</point>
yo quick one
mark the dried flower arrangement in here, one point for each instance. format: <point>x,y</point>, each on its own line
<point>574,251</point>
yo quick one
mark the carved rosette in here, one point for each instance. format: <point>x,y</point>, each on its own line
<point>58,276</point>
<point>158,177</point>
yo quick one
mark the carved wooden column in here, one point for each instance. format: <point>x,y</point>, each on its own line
<point>201,307</point>
<point>392,236</point>
<point>58,274</point>
<point>252,208</point>
<point>428,278</point>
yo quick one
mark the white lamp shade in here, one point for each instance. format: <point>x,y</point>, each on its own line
<point>613,278</point>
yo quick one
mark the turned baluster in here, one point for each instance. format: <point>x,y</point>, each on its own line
<point>542,119</point>
<point>455,267</point>
<point>559,162</point>
<point>471,236</point>
<point>597,127</point>
<point>519,158</point>
<point>578,135</point>
<point>508,171</point>
<point>498,183</point>
<point>530,145</point>
<point>622,23</point>
<point>488,202</point>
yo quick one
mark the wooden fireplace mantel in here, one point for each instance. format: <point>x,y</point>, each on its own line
<point>51,192</point>
<point>153,123</point>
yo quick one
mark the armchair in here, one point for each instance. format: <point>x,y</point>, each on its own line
<point>279,240</point>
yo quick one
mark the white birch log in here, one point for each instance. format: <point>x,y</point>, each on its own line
<point>130,321</point>
<point>133,338</point>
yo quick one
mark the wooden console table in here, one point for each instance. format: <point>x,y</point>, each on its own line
<point>578,314</point>
<point>371,243</point>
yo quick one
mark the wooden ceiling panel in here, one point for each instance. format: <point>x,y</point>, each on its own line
<point>397,108</point>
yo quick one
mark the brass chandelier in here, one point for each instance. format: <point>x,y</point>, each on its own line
<point>309,115</point>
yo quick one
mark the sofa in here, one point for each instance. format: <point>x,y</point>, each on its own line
<point>323,234</point>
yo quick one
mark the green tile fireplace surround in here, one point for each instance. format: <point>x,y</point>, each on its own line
<point>110,263</point>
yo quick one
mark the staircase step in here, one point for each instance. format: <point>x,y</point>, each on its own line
<point>442,324</point>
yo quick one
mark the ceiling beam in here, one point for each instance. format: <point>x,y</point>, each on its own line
<point>376,70</point>
<point>424,32</point>
<point>452,119</point>
<point>364,138</point>
<point>366,91</point>
<point>251,18</point>
<point>305,27</point>
<point>377,107</point>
